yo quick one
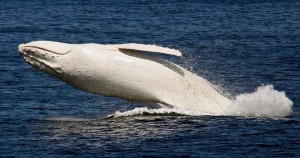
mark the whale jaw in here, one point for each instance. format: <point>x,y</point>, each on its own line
<point>58,48</point>
<point>40,56</point>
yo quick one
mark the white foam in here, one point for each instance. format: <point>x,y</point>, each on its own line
<point>144,110</point>
<point>140,111</point>
<point>264,102</point>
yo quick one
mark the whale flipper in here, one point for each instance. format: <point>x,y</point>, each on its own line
<point>148,48</point>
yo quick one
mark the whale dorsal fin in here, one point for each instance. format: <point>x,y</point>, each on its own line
<point>148,48</point>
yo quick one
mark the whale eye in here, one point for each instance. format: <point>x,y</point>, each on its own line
<point>54,47</point>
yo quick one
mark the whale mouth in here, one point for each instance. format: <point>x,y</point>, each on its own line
<point>40,58</point>
<point>48,46</point>
<point>26,48</point>
<point>36,53</point>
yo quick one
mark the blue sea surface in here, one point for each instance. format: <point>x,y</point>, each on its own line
<point>237,45</point>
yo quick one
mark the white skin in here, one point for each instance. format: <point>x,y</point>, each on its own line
<point>123,71</point>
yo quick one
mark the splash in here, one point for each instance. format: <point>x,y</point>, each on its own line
<point>141,111</point>
<point>264,102</point>
<point>160,111</point>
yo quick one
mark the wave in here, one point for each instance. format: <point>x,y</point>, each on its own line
<point>264,102</point>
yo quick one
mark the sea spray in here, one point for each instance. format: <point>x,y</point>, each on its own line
<point>264,102</point>
<point>140,111</point>
<point>160,111</point>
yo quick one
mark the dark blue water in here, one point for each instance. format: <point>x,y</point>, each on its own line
<point>237,45</point>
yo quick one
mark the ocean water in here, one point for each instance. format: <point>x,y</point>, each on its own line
<point>250,50</point>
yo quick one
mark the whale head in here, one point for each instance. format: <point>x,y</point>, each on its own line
<point>46,55</point>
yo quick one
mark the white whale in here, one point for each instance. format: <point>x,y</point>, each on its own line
<point>124,71</point>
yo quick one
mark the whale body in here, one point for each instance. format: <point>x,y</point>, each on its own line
<point>125,71</point>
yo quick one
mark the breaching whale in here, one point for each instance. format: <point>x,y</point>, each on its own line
<point>126,72</point>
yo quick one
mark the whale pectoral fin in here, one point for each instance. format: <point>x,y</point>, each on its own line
<point>148,48</point>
